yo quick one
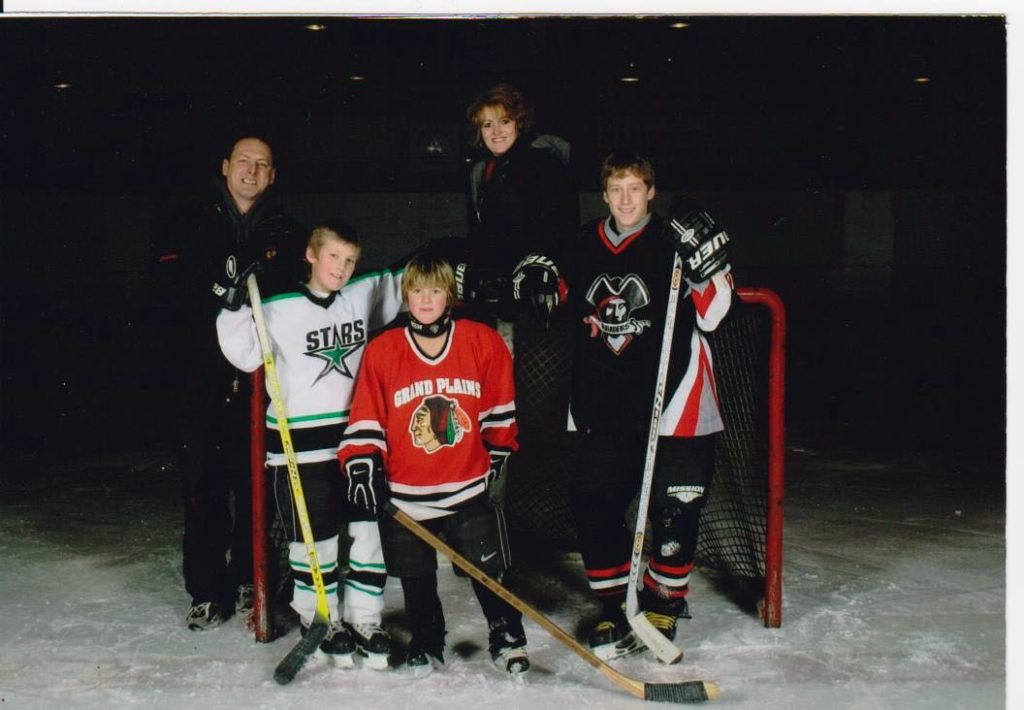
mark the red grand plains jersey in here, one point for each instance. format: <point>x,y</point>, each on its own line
<point>434,420</point>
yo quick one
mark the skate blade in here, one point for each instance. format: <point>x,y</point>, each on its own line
<point>514,662</point>
<point>376,661</point>
<point>337,660</point>
<point>424,671</point>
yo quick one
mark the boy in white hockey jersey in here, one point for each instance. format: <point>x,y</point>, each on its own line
<point>318,334</point>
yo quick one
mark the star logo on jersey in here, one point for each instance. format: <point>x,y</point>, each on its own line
<point>335,346</point>
<point>334,357</point>
<point>614,299</point>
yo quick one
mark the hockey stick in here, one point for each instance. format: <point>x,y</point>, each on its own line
<point>297,657</point>
<point>660,646</point>
<point>689,691</point>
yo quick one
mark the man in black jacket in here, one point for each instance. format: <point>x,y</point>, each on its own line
<point>237,229</point>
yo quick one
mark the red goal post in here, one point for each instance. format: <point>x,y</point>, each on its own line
<point>262,621</point>
<point>771,608</point>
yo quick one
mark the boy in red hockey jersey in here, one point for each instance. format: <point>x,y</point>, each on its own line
<point>431,426</point>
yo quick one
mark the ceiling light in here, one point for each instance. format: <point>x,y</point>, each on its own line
<point>62,85</point>
<point>679,25</point>
<point>316,27</point>
<point>357,77</point>
<point>629,79</point>
<point>921,79</point>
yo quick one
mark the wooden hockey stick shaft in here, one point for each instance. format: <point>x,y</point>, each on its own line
<point>660,646</point>
<point>690,691</point>
<point>295,659</point>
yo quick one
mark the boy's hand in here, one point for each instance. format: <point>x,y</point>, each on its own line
<point>698,238</point>
<point>367,487</point>
<point>536,284</point>
<point>230,284</point>
<point>496,475</point>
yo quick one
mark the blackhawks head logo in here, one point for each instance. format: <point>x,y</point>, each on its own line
<point>614,299</point>
<point>437,422</point>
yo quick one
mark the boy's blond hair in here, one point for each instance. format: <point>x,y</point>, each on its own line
<point>332,228</point>
<point>427,269</point>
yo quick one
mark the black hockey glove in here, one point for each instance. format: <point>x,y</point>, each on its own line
<point>367,487</point>
<point>698,238</point>
<point>496,479</point>
<point>230,285</point>
<point>535,285</point>
<point>484,287</point>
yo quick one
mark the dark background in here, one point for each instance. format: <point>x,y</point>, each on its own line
<point>873,204</point>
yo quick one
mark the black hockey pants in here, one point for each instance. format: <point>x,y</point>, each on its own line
<point>604,484</point>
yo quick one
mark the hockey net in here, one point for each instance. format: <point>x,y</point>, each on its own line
<point>740,539</point>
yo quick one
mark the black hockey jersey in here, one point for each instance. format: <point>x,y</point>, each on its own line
<point>618,296</point>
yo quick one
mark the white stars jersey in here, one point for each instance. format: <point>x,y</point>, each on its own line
<point>434,420</point>
<point>318,346</point>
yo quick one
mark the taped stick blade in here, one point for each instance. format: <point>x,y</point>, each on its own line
<point>291,664</point>
<point>691,691</point>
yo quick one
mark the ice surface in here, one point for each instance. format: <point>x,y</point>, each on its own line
<point>894,597</point>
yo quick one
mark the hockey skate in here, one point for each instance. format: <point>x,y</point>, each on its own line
<point>612,638</point>
<point>664,623</point>
<point>372,643</point>
<point>663,614</point>
<point>205,616</point>
<point>244,599</point>
<point>424,657</point>
<point>507,645</point>
<point>337,646</point>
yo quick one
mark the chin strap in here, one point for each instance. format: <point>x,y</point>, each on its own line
<point>434,330</point>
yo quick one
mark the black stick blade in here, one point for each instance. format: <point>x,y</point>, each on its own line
<point>691,691</point>
<point>297,657</point>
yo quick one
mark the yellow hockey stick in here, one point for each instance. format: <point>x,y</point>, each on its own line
<point>297,657</point>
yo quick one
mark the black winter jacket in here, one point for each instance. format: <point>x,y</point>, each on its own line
<point>188,259</point>
<point>529,203</point>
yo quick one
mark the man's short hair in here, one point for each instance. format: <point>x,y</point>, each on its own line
<point>510,99</point>
<point>247,137</point>
<point>621,162</point>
